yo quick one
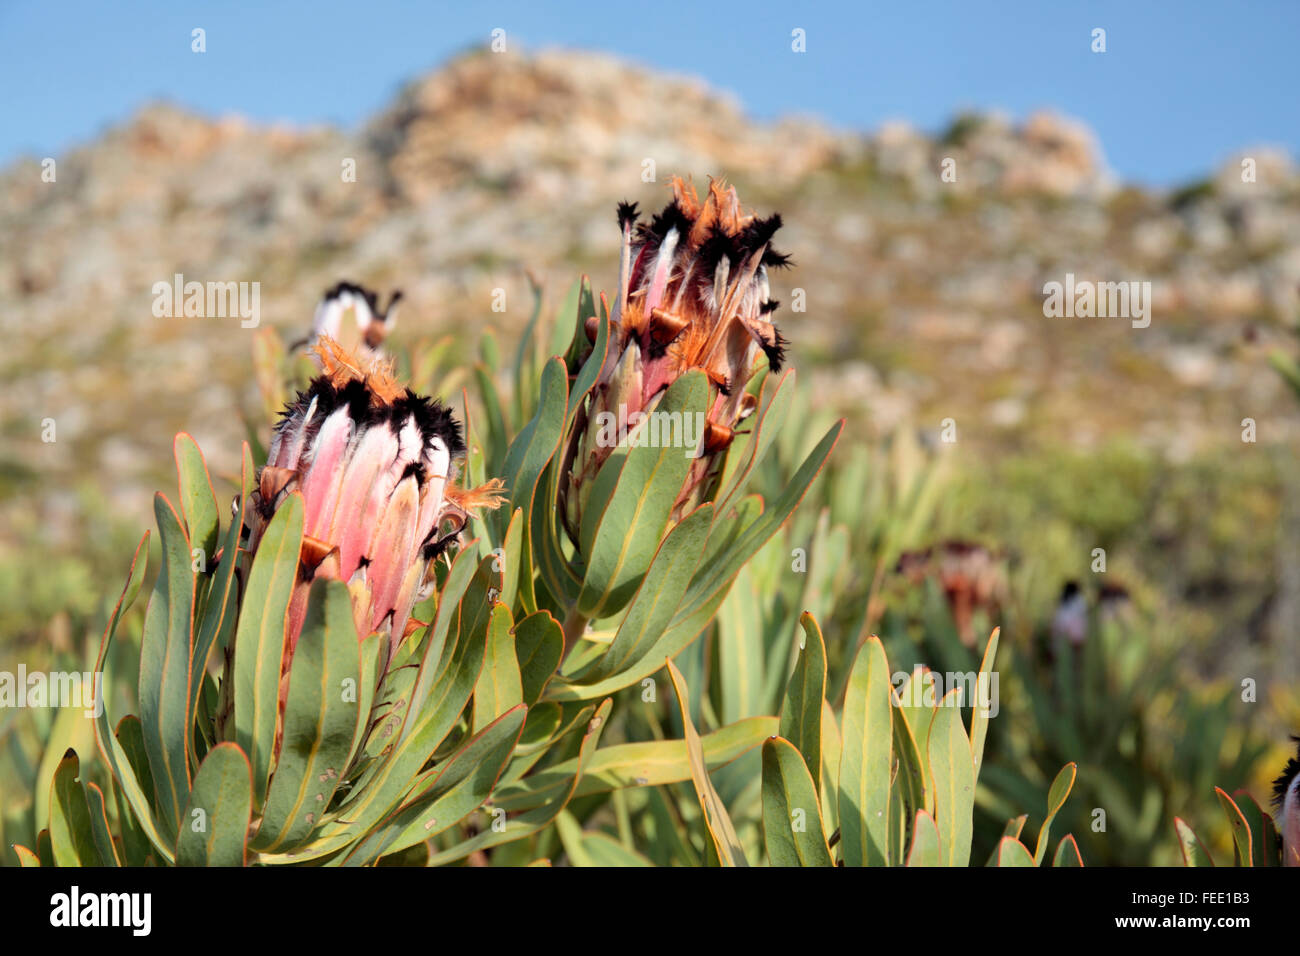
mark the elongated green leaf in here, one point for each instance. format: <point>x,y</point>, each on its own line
<point>198,501</point>
<point>217,622</point>
<point>632,496</point>
<point>954,780</point>
<point>72,837</point>
<point>714,576</point>
<point>925,849</point>
<point>982,707</point>
<point>259,638</point>
<point>377,794</point>
<point>507,829</point>
<point>499,686</point>
<point>1194,852</point>
<point>600,849</point>
<point>99,825</point>
<point>801,713</point>
<point>1056,797</point>
<point>907,790</point>
<point>26,858</point>
<point>659,596</point>
<point>716,819</point>
<point>740,651</point>
<point>539,645</point>
<point>866,759</point>
<point>1012,852</point>
<point>434,658</point>
<point>320,719</point>
<point>1241,836</point>
<point>165,668</point>
<point>537,442</point>
<point>1263,835</point>
<point>771,415</point>
<point>215,827</point>
<point>1067,853</point>
<point>915,705</point>
<point>652,763</point>
<point>450,793</point>
<point>792,820</point>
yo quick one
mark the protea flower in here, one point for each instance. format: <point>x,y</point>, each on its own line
<point>1286,798</point>
<point>375,464</point>
<point>693,294</point>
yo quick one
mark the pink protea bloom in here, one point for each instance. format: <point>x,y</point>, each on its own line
<point>376,466</point>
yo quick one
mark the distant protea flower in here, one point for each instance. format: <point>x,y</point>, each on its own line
<point>372,322</point>
<point>1286,798</point>
<point>376,466</point>
<point>693,294</point>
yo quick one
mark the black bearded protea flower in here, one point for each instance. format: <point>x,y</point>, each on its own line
<point>693,294</point>
<point>376,466</point>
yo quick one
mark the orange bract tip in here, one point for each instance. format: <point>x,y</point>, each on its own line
<point>487,495</point>
<point>342,366</point>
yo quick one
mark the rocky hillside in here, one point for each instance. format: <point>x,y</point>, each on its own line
<point>924,296</point>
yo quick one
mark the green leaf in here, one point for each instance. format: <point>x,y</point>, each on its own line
<point>656,762</point>
<point>1012,852</point>
<point>259,638</point>
<point>1056,797</point>
<point>740,651</point>
<point>979,721</point>
<point>72,837</point>
<point>1241,836</point>
<point>773,410</point>
<point>801,712</point>
<point>198,502</point>
<point>925,849</point>
<point>99,825</point>
<point>865,759</point>
<point>215,827</point>
<point>539,646</point>
<point>657,599</point>
<point>537,442</point>
<point>165,668</point>
<point>217,620</point>
<point>1067,853</point>
<point>954,780</point>
<point>908,789</point>
<point>714,576</point>
<point>1263,835</point>
<point>918,715</point>
<point>499,685</point>
<point>558,793</point>
<point>600,849</point>
<point>1194,852</point>
<point>320,719</point>
<point>716,820</point>
<point>448,793</point>
<point>792,820</point>
<point>631,498</point>
<point>433,660</point>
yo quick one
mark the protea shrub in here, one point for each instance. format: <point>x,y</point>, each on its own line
<point>381,656</point>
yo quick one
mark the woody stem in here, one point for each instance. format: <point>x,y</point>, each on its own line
<point>575,625</point>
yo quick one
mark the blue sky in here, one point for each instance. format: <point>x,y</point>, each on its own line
<point>1180,87</point>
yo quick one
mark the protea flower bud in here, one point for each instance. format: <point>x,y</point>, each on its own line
<point>693,294</point>
<point>376,467</point>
